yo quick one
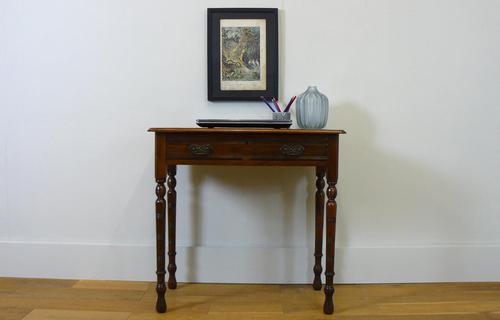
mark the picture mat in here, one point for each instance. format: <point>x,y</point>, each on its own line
<point>227,85</point>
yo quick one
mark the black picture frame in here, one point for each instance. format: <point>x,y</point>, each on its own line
<point>214,16</point>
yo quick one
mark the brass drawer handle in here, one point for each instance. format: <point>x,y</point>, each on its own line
<point>200,149</point>
<point>292,150</point>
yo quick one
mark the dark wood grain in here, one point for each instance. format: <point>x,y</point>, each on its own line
<point>331,219</point>
<point>246,147</point>
<point>247,150</point>
<point>172,204</point>
<point>248,130</point>
<point>319,216</point>
<point>160,149</point>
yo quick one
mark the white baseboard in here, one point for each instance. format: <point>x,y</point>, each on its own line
<point>251,265</point>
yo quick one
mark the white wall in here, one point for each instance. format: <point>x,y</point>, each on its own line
<point>415,83</point>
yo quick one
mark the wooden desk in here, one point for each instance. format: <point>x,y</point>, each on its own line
<point>246,147</point>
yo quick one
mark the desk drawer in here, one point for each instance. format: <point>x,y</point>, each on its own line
<point>288,150</point>
<point>247,150</point>
<point>206,150</point>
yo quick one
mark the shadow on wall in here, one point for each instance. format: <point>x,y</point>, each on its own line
<point>388,200</point>
<point>253,181</point>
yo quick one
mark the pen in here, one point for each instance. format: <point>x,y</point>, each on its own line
<point>264,99</point>
<point>276,104</point>
<point>289,105</point>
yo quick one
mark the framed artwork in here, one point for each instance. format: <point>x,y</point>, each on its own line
<point>242,53</point>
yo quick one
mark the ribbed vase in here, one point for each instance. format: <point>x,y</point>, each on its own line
<point>312,109</point>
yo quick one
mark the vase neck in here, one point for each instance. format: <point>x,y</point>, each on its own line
<point>312,88</point>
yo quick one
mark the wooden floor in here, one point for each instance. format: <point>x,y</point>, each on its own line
<point>40,299</point>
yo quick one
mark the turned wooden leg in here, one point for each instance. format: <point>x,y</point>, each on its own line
<point>171,197</point>
<point>161,305</point>
<point>320,212</point>
<point>331,216</point>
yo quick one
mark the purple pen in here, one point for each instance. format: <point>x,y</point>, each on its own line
<point>264,99</point>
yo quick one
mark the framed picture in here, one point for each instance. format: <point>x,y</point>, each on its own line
<point>242,53</point>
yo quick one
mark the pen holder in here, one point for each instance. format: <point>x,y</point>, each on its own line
<point>281,116</point>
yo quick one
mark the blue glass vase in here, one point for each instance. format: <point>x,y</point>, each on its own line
<point>312,109</point>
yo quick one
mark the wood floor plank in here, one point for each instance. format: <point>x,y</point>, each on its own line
<point>87,304</point>
<point>472,316</point>
<point>211,316</point>
<point>249,307</point>
<point>117,285</point>
<point>200,289</point>
<point>47,314</point>
<point>448,307</point>
<point>9,285</point>
<point>493,315</point>
<point>12,313</point>
<point>79,294</point>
